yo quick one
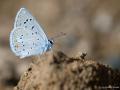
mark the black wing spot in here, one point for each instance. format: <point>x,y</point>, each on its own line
<point>32,27</point>
<point>38,39</point>
<point>23,49</point>
<point>28,52</point>
<point>32,33</point>
<point>25,26</point>
<point>36,32</point>
<point>31,47</point>
<point>23,45</point>
<point>22,41</point>
<point>26,20</point>
<point>22,35</point>
<point>30,19</point>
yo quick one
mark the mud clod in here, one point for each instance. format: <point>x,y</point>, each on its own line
<point>56,71</point>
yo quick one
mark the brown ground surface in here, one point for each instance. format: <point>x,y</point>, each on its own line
<point>56,71</point>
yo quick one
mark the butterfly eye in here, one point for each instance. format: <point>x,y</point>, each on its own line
<point>51,41</point>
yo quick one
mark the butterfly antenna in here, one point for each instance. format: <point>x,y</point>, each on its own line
<point>58,35</point>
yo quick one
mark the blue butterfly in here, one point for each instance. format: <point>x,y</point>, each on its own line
<point>27,37</point>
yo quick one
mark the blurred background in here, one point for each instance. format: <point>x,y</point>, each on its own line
<point>91,26</point>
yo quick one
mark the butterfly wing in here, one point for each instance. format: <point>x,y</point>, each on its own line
<point>27,38</point>
<point>24,43</point>
<point>25,20</point>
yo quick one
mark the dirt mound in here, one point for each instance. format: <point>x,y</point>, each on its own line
<point>56,71</point>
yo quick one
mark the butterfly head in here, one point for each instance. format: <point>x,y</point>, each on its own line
<point>51,42</point>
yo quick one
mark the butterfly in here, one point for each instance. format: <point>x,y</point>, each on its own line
<point>27,37</point>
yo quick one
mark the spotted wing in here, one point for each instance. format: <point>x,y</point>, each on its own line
<point>25,20</point>
<point>24,42</point>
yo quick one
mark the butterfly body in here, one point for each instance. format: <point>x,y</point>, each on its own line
<point>27,38</point>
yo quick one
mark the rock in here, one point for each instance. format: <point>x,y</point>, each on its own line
<point>56,71</point>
